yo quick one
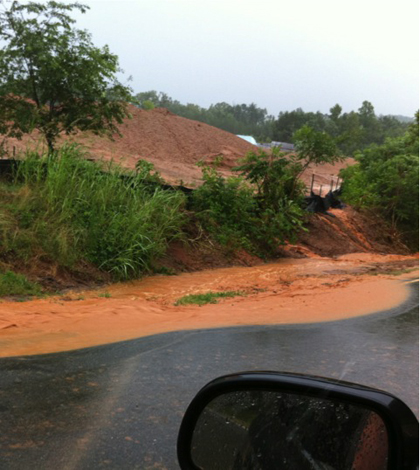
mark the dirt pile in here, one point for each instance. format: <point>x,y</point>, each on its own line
<point>174,145</point>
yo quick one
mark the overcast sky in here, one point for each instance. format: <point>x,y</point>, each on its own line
<point>278,54</point>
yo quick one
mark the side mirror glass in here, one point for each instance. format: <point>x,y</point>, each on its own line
<point>284,421</point>
<point>275,430</point>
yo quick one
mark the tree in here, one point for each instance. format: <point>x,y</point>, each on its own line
<point>52,78</point>
<point>288,123</point>
<point>145,98</point>
<point>315,147</point>
<point>386,181</point>
<point>274,176</point>
<point>335,112</point>
<point>371,131</point>
<point>351,133</point>
<point>279,193</point>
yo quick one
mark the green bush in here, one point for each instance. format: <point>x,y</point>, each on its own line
<point>256,211</point>
<point>73,210</point>
<point>386,180</point>
<point>144,172</point>
<point>17,284</point>
<point>226,208</point>
<point>279,194</point>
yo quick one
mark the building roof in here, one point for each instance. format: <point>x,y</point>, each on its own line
<point>248,138</point>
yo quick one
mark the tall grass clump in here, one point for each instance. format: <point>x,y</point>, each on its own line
<point>76,210</point>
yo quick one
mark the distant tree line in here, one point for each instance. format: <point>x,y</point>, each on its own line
<point>352,131</point>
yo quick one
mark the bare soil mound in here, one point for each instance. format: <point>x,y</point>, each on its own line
<point>174,145</point>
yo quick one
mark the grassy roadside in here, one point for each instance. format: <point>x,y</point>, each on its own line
<point>68,222</point>
<point>65,211</point>
<point>73,213</point>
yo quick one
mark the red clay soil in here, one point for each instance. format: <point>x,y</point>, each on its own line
<point>338,233</point>
<point>343,231</point>
<point>289,291</point>
<point>174,145</point>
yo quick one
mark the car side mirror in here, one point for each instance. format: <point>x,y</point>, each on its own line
<point>284,421</point>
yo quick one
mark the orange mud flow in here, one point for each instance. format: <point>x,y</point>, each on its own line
<point>288,291</point>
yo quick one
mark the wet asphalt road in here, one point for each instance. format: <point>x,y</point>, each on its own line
<point>119,406</point>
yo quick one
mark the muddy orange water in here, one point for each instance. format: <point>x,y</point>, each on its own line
<point>288,291</point>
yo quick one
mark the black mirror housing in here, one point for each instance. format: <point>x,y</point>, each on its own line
<point>228,396</point>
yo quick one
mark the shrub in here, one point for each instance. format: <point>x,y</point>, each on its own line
<point>144,172</point>
<point>385,180</point>
<point>256,211</point>
<point>226,208</point>
<point>75,210</point>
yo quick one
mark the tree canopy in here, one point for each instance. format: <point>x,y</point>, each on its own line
<point>52,77</point>
<point>386,180</point>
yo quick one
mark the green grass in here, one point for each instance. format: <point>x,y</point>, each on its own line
<point>17,284</point>
<point>106,295</point>
<point>68,210</point>
<point>207,298</point>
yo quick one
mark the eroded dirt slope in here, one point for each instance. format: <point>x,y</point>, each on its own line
<point>174,145</point>
<point>343,231</point>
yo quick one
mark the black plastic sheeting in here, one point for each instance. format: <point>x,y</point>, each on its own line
<point>8,167</point>
<point>317,203</point>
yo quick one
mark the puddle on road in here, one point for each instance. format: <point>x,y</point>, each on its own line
<point>288,291</point>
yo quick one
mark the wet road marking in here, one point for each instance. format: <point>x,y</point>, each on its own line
<point>412,281</point>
